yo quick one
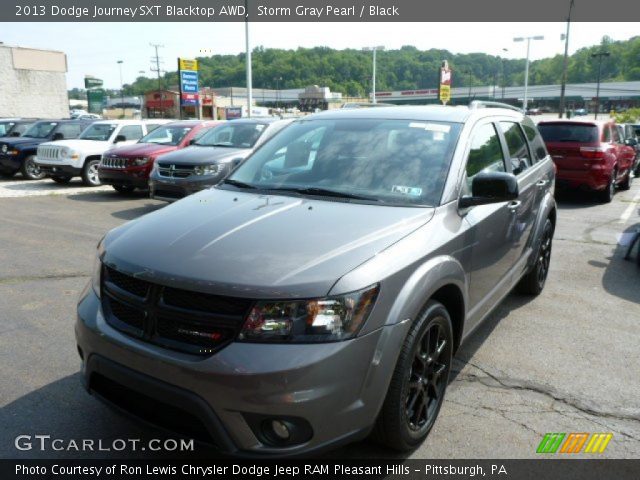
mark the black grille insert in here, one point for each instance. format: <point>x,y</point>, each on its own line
<point>190,322</point>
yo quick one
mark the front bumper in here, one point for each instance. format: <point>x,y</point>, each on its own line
<point>337,389</point>
<point>171,189</point>
<point>135,178</point>
<point>60,170</point>
<point>10,163</point>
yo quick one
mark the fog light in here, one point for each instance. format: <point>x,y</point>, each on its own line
<point>280,430</point>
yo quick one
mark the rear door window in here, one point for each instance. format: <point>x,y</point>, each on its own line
<point>538,148</point>
<point>69,130</point>
<point>517,146</point>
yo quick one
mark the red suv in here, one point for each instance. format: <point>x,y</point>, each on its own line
<point>128,167</point>
<point>588,154</point>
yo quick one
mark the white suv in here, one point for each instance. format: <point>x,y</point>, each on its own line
<point>65,159</point>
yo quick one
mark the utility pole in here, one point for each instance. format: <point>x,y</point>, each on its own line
<point>599,56</point>
<point>504,78</point>
<point>565,61</point>
<point>157,61</point>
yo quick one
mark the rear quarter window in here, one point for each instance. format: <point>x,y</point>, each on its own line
<point>538,149</point>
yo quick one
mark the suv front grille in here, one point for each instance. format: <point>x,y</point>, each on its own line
<point>175,171</point>
<point>190,322</point>
<point>114,162</point>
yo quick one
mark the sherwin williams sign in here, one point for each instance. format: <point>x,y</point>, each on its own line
<point>188,72</point>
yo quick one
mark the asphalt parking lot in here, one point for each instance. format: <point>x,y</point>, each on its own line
<point>567,361</point>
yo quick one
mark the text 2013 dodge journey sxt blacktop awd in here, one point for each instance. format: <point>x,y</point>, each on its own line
<point>317,295</point>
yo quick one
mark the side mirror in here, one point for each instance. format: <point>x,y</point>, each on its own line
<point>632,142</point>
<point>14,134</point>
<point>192,141</point>
<point>495,187</point>
<point>236,161</point>
<point>120,138</point>
<point>57,136</point>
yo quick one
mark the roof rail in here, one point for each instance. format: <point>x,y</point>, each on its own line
<point>486,104</point>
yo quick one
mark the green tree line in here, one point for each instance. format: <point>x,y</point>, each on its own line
<point>349,71</point>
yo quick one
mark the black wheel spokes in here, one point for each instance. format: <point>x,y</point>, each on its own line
<point>544,257</point>
<point>426,378</point>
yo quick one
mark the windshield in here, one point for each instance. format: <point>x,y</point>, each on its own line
<point>5,128</point>
<point>233,135</point>
<point>397,162</point>
<point>40,129</point>
<point>98,131</point>
<point>568,132</point>
<point>166,135</point>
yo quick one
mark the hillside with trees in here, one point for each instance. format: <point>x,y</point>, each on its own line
<point>349,71</point>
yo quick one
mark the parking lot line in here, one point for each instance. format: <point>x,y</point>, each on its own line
<point>630,209</point>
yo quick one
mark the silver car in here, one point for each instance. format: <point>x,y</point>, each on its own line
<point>317,295</point>
<point>210,158</point>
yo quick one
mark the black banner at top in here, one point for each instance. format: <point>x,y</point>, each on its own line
<point>316,10</point>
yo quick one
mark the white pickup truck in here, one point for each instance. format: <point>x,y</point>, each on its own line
<point>64,159</point>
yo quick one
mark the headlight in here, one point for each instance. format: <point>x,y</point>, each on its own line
<point>96,271</point>
<point>327,319</point>
<point>141,161</point>
<point>65,152</point>
<point>207,169</point>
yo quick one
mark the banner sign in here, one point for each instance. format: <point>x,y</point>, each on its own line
<point>189,88</point>
<point>444,84</point>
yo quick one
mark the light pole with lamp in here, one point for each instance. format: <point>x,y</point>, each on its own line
<point>121,88</point>
<point>526,68</point>
<point>599,56</point>
<point>504,79</point>
<point>373,76</point>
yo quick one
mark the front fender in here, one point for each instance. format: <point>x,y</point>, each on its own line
<point>426,280</point>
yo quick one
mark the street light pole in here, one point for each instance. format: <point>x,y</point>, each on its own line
<point>121,88</point>
<point>470,79</point>
<point>599,55</point>
<point>248,58</point>
<point>526,68</point>
<point>373,76</point>
<point>504,80</point>
<point>565,61</point>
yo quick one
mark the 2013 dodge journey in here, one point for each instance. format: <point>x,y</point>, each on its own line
<point>317,295</point>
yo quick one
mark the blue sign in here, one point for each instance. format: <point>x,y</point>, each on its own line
<point>189,81</point>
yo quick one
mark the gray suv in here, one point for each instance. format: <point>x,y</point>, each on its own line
<point>317,295</point>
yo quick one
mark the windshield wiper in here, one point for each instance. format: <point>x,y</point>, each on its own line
<point>324,192</point>
<point>239,184</point>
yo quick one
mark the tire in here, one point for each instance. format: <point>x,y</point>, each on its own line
<point>533,282</point>
<point>626,183</point>
<point>30,169</point>
<point>61,180</point>
<point>7,174</point>
<point>606,196</point>
<point>417,378</point>
<point>123,188</point>
<point>90,173</point>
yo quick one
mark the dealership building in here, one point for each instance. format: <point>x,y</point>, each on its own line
<point>33,83</point>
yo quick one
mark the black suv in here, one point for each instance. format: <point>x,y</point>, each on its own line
<point>18,153</point>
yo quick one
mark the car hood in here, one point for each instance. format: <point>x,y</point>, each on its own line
<point>141,150</point>
<point>200,155</point>
<point>257,246</point>
<point>21,141</point>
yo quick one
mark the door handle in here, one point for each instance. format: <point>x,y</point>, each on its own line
<point>513,206</point>
<point>542,183</point>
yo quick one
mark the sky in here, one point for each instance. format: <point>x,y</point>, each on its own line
<point>95,48</point>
